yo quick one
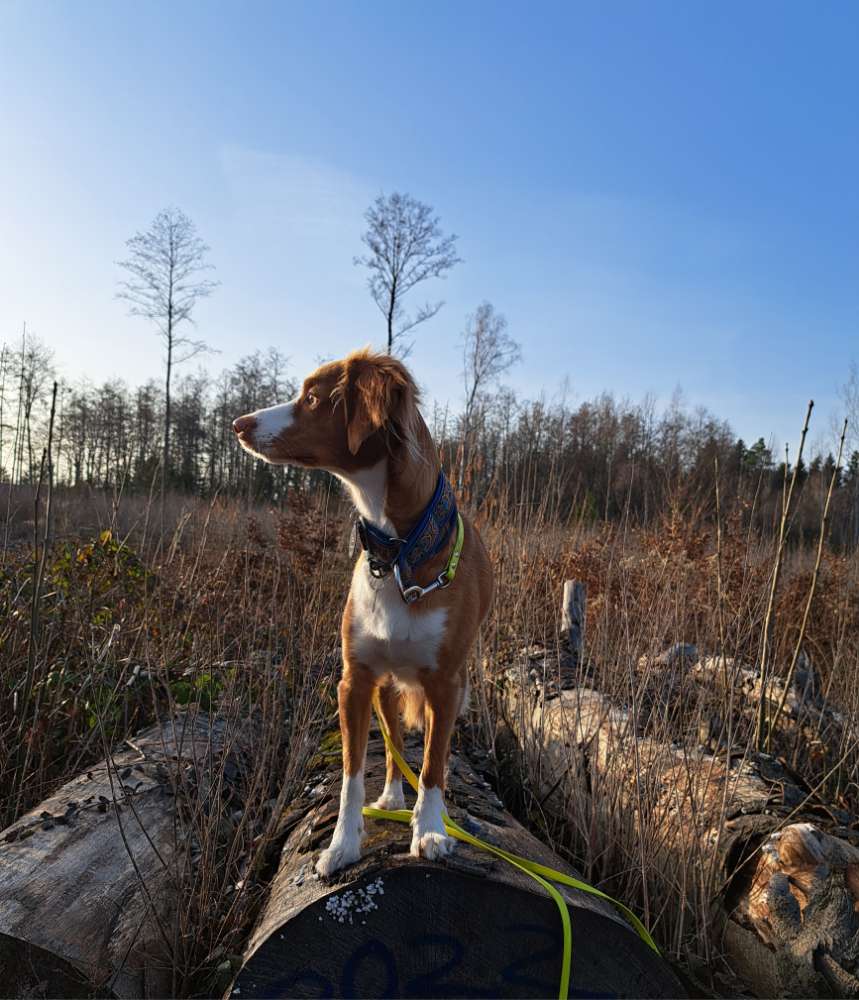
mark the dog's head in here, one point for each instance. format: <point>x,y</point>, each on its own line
<point>348,414</point>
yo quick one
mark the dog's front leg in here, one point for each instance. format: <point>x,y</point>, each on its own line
<point>429,838</point>
<point>354,697</point>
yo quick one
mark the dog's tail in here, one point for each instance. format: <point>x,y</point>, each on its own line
<point>412,700</point>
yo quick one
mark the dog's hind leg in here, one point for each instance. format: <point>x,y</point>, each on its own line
<point>443,701</point>
<point>389,703</point>
<point>354,698</point>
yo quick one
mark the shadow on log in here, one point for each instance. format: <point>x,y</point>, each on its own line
<point>784,864</point>
<point>471,926</point>
<point>88,878</point>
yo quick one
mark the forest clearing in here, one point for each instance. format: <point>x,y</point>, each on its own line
<point>429,500</point>
<point>223,616</point>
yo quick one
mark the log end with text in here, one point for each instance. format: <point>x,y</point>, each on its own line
<point>472,926</point>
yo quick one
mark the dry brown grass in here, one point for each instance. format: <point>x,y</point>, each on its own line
<point>648,589</point>
<point>236,611</point>
<point>213,615</point>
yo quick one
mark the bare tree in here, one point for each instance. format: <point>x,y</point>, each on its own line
<point>406,246</point>
<point>165,265</point>
<point>37,372</point>
<point>488,351</point>
<point>849,393</point>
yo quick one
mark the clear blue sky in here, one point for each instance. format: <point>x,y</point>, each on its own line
<point>655,194</point>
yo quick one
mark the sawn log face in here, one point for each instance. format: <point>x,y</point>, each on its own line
<point>393,925</point>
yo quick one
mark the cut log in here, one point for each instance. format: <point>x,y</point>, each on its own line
<point>786,864</point>
<point>393,925</point>
<point>87,881</point>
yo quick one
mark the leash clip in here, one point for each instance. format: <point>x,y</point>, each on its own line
<point>416,592</point>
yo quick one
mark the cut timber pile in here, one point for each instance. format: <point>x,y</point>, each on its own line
<point>784,866</point>
<point>393,925</point>
<point>88,878</point>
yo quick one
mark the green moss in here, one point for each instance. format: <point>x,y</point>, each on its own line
<point>330,750</point>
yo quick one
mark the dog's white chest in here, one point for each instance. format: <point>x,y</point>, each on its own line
<point>386,635</point>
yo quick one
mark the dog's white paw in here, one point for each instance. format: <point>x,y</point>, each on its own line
<point>429,839</point>
<point>337,856</point>
<point>391,798</point>
<point>345,846</point>
<point>431,846</point>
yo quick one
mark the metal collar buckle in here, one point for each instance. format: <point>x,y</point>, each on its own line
<point>378,567</point>
<point>416,592</point>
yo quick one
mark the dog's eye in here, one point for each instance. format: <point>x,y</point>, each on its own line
<point>311,399</point>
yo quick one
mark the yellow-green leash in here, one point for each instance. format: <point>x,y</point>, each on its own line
<point>540,873</point>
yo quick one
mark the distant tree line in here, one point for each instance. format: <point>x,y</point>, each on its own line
<point>608,459</point>
<point>602,459</point>
<point>111,436</point>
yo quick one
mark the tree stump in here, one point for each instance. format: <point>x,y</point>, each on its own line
<point>573,617</point>
<point>87,887</point>
<point>393,925</point>
<point>786,863</point>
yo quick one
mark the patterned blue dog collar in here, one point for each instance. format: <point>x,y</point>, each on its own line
<point>427,538</point>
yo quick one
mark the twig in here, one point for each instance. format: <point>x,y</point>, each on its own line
<point>812,588</point>
<point>761,719</point>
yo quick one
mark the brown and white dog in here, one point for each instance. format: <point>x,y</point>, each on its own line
<point>359,419</point>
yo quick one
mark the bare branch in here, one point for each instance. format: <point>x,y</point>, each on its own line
<point>425,312</point>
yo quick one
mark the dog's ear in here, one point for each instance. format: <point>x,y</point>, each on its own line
<point>377,392</point>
